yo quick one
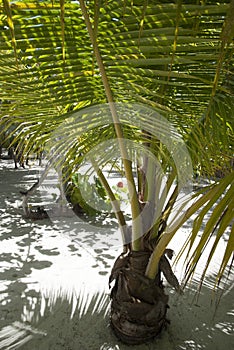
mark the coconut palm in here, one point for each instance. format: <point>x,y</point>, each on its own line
<point>75,75</point>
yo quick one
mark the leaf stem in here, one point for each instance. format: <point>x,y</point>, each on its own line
<point>135,208</point>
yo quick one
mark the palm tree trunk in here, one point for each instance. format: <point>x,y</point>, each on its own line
<point>139,304</point>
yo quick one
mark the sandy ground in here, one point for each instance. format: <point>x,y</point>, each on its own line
<point>54,284</point>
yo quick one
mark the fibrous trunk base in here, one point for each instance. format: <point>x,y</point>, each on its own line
<point>139,305</point>
<point>134,333</point>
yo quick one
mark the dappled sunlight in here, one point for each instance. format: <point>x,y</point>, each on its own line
<point>114,118</point>
<point>208,325</point>
<point>54,283</point>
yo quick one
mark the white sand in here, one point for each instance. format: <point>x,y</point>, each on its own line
<point>54,284</point>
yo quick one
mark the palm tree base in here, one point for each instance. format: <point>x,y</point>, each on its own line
<point>133,333</point>
<point>139,305</point>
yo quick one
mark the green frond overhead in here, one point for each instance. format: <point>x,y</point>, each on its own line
<point>131,52</point>
<point>176,57</point>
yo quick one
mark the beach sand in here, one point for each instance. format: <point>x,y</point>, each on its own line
<point>54,292</point>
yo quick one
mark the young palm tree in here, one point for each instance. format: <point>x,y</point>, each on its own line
<point>76,74</point>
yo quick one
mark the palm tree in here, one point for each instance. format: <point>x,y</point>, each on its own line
<point>78,74</point>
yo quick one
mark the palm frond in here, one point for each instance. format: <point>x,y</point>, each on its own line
<point>221,210</point>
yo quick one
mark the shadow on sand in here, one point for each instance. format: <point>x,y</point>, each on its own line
<point>61,318</point>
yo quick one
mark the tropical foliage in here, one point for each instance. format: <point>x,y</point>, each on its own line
<point>58,58</point>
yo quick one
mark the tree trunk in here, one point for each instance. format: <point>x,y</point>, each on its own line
<point>138,305</point>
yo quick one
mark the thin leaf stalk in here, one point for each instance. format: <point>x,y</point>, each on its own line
<point>114,202</point>
<point>135,208</point>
